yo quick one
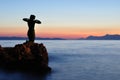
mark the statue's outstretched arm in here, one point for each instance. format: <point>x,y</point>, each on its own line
<point>25,19</point>
<point>37,21</point>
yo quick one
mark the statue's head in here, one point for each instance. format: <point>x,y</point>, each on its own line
<point>32,17</point>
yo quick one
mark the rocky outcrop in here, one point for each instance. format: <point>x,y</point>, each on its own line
<point>27,56</point>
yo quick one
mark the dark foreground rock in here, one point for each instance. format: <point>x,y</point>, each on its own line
<point>28,56</point>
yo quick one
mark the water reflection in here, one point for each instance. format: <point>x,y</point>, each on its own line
<point>21,75</point>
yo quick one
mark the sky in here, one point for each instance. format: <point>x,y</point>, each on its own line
<point>61,18</point>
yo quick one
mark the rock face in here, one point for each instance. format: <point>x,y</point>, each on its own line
<point>27,56</point>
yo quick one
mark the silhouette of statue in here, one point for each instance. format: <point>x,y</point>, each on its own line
<point>31,23</point>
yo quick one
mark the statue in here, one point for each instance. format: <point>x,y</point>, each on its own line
<point>31,23</point>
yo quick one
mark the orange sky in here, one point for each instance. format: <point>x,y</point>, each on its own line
<point>61,32</point>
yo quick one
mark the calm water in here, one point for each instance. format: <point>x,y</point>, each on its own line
<point>74,60</point>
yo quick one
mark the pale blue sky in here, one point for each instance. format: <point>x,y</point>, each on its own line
<point>61,9</point>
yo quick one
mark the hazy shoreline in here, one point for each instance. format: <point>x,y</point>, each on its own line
<point>104,37</point>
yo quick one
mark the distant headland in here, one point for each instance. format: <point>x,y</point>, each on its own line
<point>105,37</point>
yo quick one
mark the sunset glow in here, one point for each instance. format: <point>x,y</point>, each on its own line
<point>71,19</point>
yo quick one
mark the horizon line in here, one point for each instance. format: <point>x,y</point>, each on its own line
<point>55,37</point>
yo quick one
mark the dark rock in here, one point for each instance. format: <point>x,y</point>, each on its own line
<point>27,56</point>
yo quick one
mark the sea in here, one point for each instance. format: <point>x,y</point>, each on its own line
<point>73,60</point>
